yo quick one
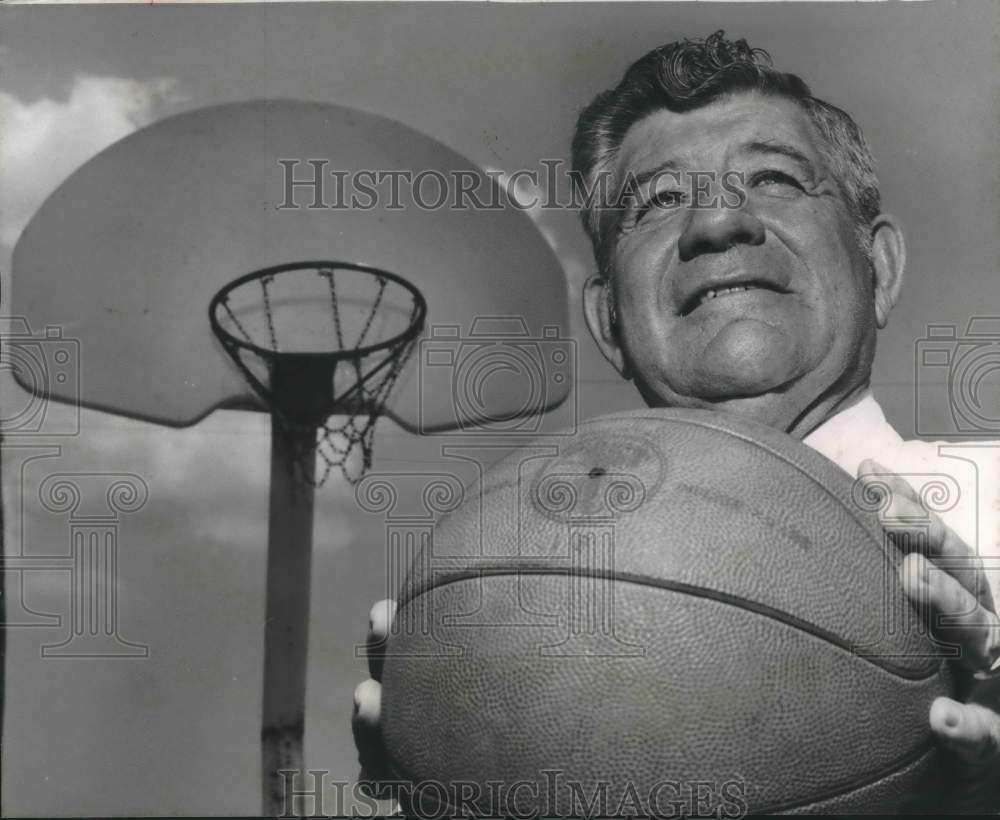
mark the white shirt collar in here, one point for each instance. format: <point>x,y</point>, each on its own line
<point>856,433</point>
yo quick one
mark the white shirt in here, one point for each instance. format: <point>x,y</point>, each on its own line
<point>960,480</point>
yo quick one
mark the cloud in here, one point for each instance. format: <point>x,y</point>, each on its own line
<point>208,486</point>
<point>44,140</point>
<point>217,472</point>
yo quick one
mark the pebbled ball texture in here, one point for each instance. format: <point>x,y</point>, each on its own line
<point>664,599</point>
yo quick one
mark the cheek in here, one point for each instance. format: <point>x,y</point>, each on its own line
<point>837,278</point>
<point>637,284</point>
<point>640,262</point>
<point>844,309</point>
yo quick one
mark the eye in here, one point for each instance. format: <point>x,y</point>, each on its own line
<point>665,200</point>
<point>776,182</point>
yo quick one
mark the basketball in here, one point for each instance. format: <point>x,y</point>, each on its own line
<point>666,613</point>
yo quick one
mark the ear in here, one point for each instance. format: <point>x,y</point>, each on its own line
<point>888,264</point>
<point>598,299</point>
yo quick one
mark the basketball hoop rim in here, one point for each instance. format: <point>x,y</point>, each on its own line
<point>411,332</point>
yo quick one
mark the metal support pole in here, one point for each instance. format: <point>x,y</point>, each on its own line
<point>286,630</point>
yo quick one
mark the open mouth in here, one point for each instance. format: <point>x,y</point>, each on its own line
<point>708,294</point>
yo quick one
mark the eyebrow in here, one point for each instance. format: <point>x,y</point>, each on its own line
<point>765,147</point>
<point>643,177</point>
<point>782,149</point>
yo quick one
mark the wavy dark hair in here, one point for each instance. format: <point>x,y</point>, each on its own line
<point>691,73</point>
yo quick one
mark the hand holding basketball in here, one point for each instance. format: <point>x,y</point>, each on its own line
<point>971,730</point>
<point>365,722</point>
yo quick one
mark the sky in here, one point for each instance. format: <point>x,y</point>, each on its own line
<point>176,732</point>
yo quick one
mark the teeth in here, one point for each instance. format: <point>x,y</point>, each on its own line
<point>711,293</point>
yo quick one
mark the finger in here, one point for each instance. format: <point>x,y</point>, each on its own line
<point>955,616</point>
<point>380,617</point>
<point>366,727</point>
<point>970,730</point>
<point>379,622</point>
<point>991,673</point>
<point>368,703</point>
<point>911,525</point>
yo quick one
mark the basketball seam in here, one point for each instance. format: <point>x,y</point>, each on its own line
<point>910,758</point>
<point>684,589</point>
<point>805,470</point>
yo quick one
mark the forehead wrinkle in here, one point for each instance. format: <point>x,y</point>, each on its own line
<point>644,162</point>
<point>793,136</point>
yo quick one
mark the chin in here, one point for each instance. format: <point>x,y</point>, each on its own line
<point>747,374</point>
<point>739,386</point>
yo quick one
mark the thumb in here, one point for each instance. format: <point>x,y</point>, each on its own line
<point>969,730</point>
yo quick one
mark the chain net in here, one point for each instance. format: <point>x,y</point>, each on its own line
<point>328,369</point>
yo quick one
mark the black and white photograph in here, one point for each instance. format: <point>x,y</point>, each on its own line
<point>499,409</point>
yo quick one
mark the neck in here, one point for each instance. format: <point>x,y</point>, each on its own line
<point>824,408</point>
<point>780,409</point>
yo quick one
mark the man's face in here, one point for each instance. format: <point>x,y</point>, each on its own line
<point>762,308</point>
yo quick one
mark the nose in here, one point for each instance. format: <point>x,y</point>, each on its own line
<point>718,228</point>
